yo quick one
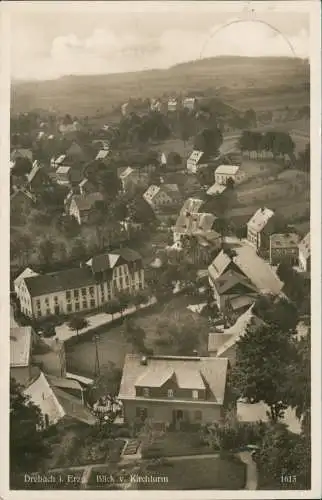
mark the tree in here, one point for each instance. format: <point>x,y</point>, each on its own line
<point>21,167</point>
<point>230,183</point>
<point>46,250</point>
<point>209,141</point>
<point>250,118</point>
<point>139,298</point>
<point>124,299</point>
<point>135,334</point>
<point>28,448</point>
<point>299,378</point>
<point>77,323</point>
<point>305,158</point>
<point>112,307</point>
<point>277,311</point>
<point>262,361</point>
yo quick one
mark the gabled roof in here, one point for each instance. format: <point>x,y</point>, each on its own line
<point>43,284</point>
<point>20,346</point>
<point>236,331</point>
<point>60,159</point>
<point>229,279</point>
<point>191,205</point>
<point>190,372</point>
<point>151,192</point>
<point>23,192</point>
<point>195,157</point>
<point>109,260</point>
<point>102,154</point>
<point>63,170</point>
<point>219,265</point>
<point>260,219</point>
<point>42,394</point>
<point>216,189</point>
<point>195,223</point>
<point>27,273</point>
<point>128,171</point>
<point>21,153</point>
<point>86,202</point>
<point>284,240</point>
<point>305,246</point>
<point>227,169</point>
<point>34,171</point>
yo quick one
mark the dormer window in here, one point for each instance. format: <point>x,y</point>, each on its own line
<point>146,392</point>
<point>194,394</point>
<point>170,393</point>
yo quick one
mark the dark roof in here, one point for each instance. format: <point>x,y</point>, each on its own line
<point>86,202</point>
<point>106,261</point>
<point>58,282</point>
<point>231,278</point>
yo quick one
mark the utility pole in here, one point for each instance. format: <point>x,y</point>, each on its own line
<point>97,371</point>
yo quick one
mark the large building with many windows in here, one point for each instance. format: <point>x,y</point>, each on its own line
<point>82,289</point>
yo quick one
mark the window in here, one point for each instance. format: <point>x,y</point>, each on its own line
<point>84,292</point>
<point>56,299</point>
<point>127,281</point>
<point>84,304</point>
<point>170,393</point>
<point>76,294</point>
<point>48,311</point>
<point>91,291</point>
<point>195,394</point>
<point>69,308</point>
<point>47,301</point>
<point>146,392</point>
<point>102,287</point>
<point>77,306</point>
<point>38,313</point>
<point>68,295</point>
<point>92,303</point>
<point>198,415</point>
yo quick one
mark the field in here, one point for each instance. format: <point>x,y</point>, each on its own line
<point>242,82</point>
<point>113,345</point>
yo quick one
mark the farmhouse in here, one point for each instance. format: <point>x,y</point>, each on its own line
<point>238,276</point>
<point>304,254</point>
<point>81,207</point>
<point>174,390</point>
<point>225,172</point>
<point>159,196</point>
<point>82,289</point>
<point>283,247</point>
<point>194,162</point>
<point>260,227</point>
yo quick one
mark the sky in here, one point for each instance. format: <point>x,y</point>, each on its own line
<point>50,43</point>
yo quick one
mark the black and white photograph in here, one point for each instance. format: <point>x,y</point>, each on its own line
<point>163,170</point>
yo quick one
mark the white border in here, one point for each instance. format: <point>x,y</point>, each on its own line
<point>313,7</point>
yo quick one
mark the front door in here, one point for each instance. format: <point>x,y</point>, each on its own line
<point>177,417</point>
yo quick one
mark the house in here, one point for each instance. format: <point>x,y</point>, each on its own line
<point>22,339</point>
<point>174,390</point>
<point>216,189</point>
<point>69,128</point>
<point>173,105</point>
<point>239,275</point>
<point>163,195</point>
<point>81,206</point>
<point>82,289</point>
<point>86,187</point>
<point>102,154</point>
<point>225,172</point>
<point>27,273</point>
<point>194,162</point>
<point>304,254</point>
<point>21,153</point>
<point>57,161</point>
<point>22,201</point>
<point>126,108</point>
<point>260,227</point>
<point>283,247</point>
<point>131,178</point>
<point>157,105</point>
<point>190,103</point>
<point>63,175</point>
<point>223,344</point>
<point>191,206</point>
<point>191,224</point>
<point>36,177</point>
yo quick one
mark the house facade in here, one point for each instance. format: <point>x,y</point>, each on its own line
<point>225,172</point>
<point>174,390</point>
<point>190,103</point>
<point>82,289</point>
<point>132,177</point>
<point>173,105</point>
<point>22,339</point>
<point>283,247</point>
<point>82,206</point>
<point>260,227</point>
<point>194,162</point>
<point>163,195</point>
<point>304,254</point>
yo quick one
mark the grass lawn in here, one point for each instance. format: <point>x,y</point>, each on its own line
<point>199,474</point>
<point>174,444</point>
<point>113,346</point>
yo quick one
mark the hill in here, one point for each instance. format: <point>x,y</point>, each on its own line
<point>262,83</point>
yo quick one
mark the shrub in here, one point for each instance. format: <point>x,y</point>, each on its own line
<point>122,433</point>
<point>151,452</point>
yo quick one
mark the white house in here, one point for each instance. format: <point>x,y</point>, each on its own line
<point>194,162</point>
<point>225,172</point>
<point>260,227</point>
<point>27,273</point>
